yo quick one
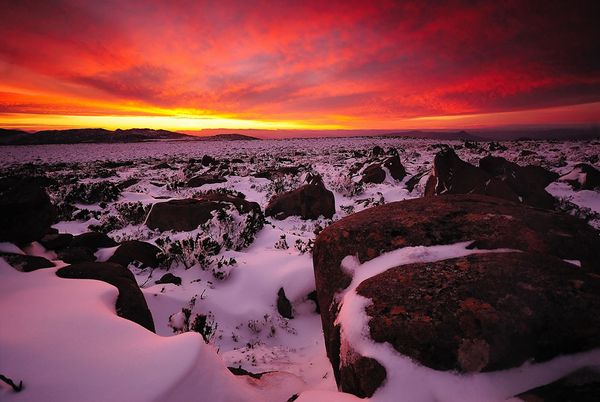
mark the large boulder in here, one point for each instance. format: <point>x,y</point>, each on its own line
<point>395,167</point>
<point>26,263</point>
<point>92,240</point>
<point>130,304</point>
<point>490,223</point>
<point>26,212</point>
<point>134,250</point>
<point>373,174</point>
<point>528,182</point>
<point>452,175</point>
<point>309,202</point>
<point>188,214</point>
<point>583,177</point>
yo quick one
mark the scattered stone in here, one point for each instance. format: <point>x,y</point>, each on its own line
<point>93,240</point>
<point>284,307</point>
<point>373,174</point>
<point>395,167</point>
<point>201,180</point>
<point>74,255</point>
<point>580,386</point>
<point>208,160</point>
<point>135,250</point>
<point>377,151</point>
<point>55,241</point>
<point>130,304</point>
<point>169,278</point>
<point>309,202</point>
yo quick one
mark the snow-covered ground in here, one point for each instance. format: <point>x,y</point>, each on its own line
<point>78,344</point>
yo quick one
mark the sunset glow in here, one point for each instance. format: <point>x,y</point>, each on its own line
<point>192,65</point>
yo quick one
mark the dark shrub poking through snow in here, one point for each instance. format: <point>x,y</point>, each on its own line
<point>169,278</point>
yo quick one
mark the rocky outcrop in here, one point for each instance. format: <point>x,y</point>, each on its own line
<point>373,174</point>
<point>130,304</point>
<point>309,202</point>
<point>495,177</point>
<point>490,223</point>
<point>188,214</point>
<point>395,167</point>
<point>134,250</point>
<point>26,212</point>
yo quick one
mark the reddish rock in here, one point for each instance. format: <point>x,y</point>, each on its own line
<point>309,202</point>
<point>130,304</point>
<point>489,222</point>
<point>188,214</point>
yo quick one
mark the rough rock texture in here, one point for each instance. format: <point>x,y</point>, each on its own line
<point>485,312</point>
<point>394,165</point>
<point>92,240</point>
<point>26,212</point>
<point>135,250</point>
<point>26,263</point>
<point>581,386</point>
<point>373,174</point>
<point>201,180</point>
<point>54,241</point>
<point>130,304</point>
<point>187,214</point>
<point>489,222</point>
<point>284,307</point>
<point>74,255</point>
<point>495,176</point>
<point>309,202</point>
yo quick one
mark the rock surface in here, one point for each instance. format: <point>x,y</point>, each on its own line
<point>583,177</point>
<point>26,263</point>
<point>284,307</point>
<point>188,214</point>
<point>309,202</point>
<point>201,180</point>
<point>130,304</point>
<point>373,174</point>
<point>135,250</point>
<point>26,212</point>
<point>489,222</point>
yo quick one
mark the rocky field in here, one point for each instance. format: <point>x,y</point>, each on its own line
<point>310,270</point>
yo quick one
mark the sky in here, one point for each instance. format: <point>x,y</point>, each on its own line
<point>298,65</point>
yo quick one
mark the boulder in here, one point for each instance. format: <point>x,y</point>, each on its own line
<point>74,255</point>
<point>583,177</point>
<point>26,212</point>
<point>309,202</point>
<point>373,174</point>
<point>55,241</point>
<point>452,175</point>
<point>284,307</point>
<point>26,263</point>
<point>528,182</point>
<point>169,278</point>
<point>130,304</point>
<point>395,167</point>
<point>188,214</point>
<point>490,223</point>
<point>201,180</point>
<point>208,160</point>
<point>93,241</point>
<point>135,250</point>
<point>377,151</point>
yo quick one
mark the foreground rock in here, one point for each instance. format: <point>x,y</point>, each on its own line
<point>490,223</point>
<point>188,214</point>
<point>130,304</point>
<point>199,181</point>
<point>26,263</point>
<point>26,212</point>
<point>495,177</point>
<point>309,202</point>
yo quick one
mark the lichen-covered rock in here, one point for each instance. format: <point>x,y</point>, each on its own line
<point>130,304</point>
<point>490,223</point>
<point>309,202</point>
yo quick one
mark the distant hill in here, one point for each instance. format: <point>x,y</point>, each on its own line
<point>434,135</point>
<point>100,135</point>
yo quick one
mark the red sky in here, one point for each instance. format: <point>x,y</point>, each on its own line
<point>190,65</point>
